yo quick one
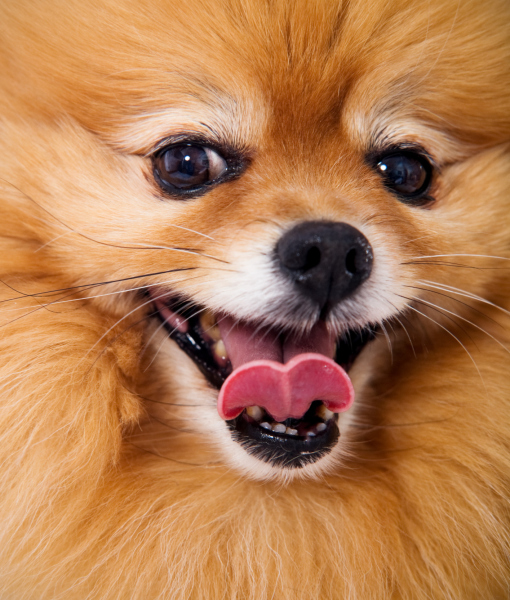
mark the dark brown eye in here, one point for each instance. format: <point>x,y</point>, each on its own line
<point>182,168</point>
<point>408,174</point>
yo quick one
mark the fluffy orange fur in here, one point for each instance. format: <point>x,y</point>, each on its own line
<point>111,487</point>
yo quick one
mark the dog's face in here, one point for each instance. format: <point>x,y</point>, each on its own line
<point>300,184</point>
<point>249,243</point>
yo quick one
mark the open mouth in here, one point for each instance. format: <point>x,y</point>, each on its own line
<point>279,393</point>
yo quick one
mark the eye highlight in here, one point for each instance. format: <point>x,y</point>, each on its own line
<point>406,173</point>
<point>188,168</point>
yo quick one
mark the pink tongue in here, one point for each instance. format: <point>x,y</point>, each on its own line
<point>285,390</point>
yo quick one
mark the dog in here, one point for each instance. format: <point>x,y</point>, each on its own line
<point>255,299</point>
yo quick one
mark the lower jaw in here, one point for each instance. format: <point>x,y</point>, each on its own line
<point>287,450</point>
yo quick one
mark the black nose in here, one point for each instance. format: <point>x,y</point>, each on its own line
<point>326,261</point>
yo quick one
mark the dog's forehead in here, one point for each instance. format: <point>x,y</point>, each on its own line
<point>312,68</point>
<point>300,61</point>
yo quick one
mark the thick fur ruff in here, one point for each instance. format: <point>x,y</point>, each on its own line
<point>118,478</point>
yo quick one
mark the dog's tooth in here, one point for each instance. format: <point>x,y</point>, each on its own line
<point>220,353</point>
<point>324,413</point>
<point>207,319</point>
<point>209,326</point>
<point>310,434</point>
<point>214,333</point>
<point>291,431</point>
<point>265,425</point>
<point>255,412</point>
<point>320,427</point>
<point>279,428</point>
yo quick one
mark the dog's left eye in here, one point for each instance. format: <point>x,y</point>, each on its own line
<point>406,173</point>
<point>188,168</point>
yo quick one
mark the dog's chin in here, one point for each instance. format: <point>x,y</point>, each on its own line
<point>191,357</point>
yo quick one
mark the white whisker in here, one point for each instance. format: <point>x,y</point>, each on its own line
<point>441,308</point>
<point>123,318</point>
<point>146,345</point>
<point>387,340</point>
<point>465,293</point>
<point>53,240</point>
<point>467,255</point>
<point>111,244</point>
<point>192,231</point>
<point>93,296</point>
<point>455,337</point>
<point>117,322</point>
<point>407,334</point>
<point>142,246</point>
<point>401,324</point>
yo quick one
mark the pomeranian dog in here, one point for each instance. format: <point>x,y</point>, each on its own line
<point>255,299</point>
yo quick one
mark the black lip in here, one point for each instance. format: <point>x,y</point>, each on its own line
<point>193,344</point>
<point>280,449</point>
<point>198,350</point>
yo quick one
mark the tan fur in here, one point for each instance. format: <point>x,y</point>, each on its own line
<point>106,494</point>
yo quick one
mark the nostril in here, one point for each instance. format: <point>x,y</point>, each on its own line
<point>350,261</point>
<point>313,258</point>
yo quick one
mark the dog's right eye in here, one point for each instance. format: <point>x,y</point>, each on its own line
<point>188,168</point>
